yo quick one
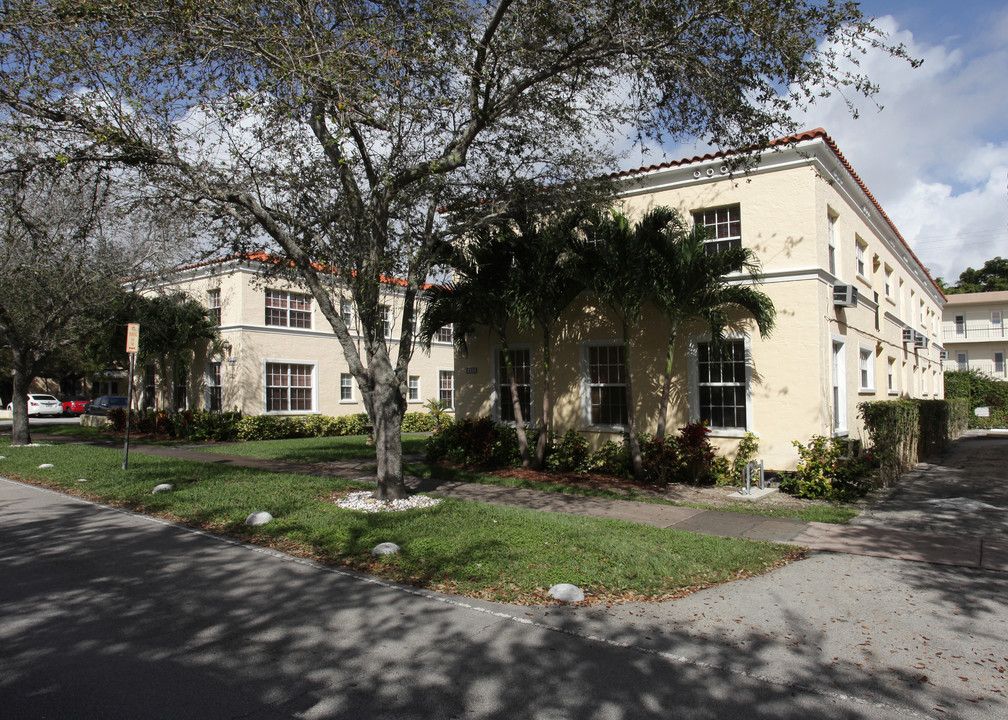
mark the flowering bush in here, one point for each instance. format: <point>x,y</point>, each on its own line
<point>827,470</point>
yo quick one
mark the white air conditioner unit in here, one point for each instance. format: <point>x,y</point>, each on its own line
<point>920,340</point>
<point>943,354</point>
<point>845,296</point>
<point>908,336</point>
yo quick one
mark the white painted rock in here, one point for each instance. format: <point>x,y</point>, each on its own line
<point>163,487</point>
<point>258,518</point>
<point>385,548</point>
<point>565,592</point>
<point>45,465</point>
<point>81,479</point>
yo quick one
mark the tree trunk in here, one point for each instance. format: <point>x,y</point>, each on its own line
<point>666,388</point>
<point>546,426</point>
<point>20,433</point>
<point>636,460</point>
<point>523,447</point>
<point>387,408</point>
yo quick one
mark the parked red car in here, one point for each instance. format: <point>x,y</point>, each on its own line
<point>74,405</point>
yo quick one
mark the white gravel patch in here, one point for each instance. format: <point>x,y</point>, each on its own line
<point>365,502</point>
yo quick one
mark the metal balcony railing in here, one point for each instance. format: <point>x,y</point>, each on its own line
<point>952,332</point>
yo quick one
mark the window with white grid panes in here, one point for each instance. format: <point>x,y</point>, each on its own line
<point>346,387</point>
<point>444,334</point>
<point>999,363</point>
<point>721,384</point>
<point>287,309</point>
<point>867,369</point>
<point>413,388</point>
<point>831,241</point>
<point>214,388</point>
<point>347,312</point>
<point>288,387</point>
<point>724,227</point>
<point>891,375</point>
<point>522,360</point>
<point>607,385</point>
<point>214,304</point>
<point>446,387</point>
<point>385,321</point>
<point>859,254</point>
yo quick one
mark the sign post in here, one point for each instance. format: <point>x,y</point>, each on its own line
<point>132,346</point>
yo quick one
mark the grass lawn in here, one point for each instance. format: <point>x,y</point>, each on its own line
<point>819,512</point>
<point>473,549</point>
<point>310,450</point>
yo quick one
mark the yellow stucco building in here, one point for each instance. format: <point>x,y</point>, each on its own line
<point>858,316</point>
<point>277,353</point>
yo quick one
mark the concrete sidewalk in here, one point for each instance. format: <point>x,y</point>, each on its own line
<point>971,468</point>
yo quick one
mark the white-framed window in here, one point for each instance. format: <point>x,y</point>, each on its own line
<point>924,383</point>
<point>866,366</point>
<point>444,334</point>
<point>214,387</point>
<point>290,387</point>
<point>831,218</point>
<point>413,388</point>
<point>522,360</point>
<point>960,325</point>
<point>839,385</point>
<point>996,318</point>
<point>288,309</point>
<point>719,384</point>
<point>999,363</point>
<point>385,320</point>
<point>446,387</point>
<point>346,393</point>
<point>961,361</point>
<point>724,226</point>
<point>891,376</point>
<point>214,304</point>
<point>347,312</point>
<point>888,282</point>
<point>859,255</point>
<point>604,385</point>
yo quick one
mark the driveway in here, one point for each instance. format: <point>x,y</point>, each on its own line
<point>108,614</point>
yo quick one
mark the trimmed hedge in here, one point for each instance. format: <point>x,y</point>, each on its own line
<point>904,431</point>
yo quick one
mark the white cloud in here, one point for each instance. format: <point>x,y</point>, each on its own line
<point>936,156</point>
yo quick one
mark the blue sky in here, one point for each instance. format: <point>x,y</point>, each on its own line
<point>936,155</point>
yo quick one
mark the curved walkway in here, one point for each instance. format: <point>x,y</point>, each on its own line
<point>951,511</point>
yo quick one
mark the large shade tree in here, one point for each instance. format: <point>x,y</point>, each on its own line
<point>62,257</point>
<point>334,132</point>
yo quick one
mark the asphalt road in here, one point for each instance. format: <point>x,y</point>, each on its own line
<point>105,614</point>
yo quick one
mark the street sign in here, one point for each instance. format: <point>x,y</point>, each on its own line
<point>133,337</point>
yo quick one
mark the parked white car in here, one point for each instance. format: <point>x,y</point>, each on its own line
<point>41,405</point>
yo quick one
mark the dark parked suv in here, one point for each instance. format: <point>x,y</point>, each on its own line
<point>102,405</point>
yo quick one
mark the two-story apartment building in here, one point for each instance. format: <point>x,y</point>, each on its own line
<point>277,353</point>
<point>973,332</point>
<point>857,314</point>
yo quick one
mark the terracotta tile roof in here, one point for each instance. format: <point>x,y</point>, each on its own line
<point>804,136</point>
<point>261,256</point>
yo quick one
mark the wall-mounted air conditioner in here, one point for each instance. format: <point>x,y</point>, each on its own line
<point>845,296</point>
<point>920,340</point>
<point>943,354</point>
<point>908,336</point>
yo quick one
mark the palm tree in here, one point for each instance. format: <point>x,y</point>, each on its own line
<point>692,284</point>
<point>483,292</point>
<point>549,280</point>
<point>616,263</point>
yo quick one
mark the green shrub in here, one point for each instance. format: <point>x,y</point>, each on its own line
<point>661,461</point>
<point>214,426</point>
<point>826,471</point>
<point>570,454</point>
<point>611,459</point>
<point>746,453</point>
<point>696,454</point>
<point>476,442</point>
<point>894,429</point>
<point>264,427</point>
<point>352,424</point>
<point>418,422</point>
